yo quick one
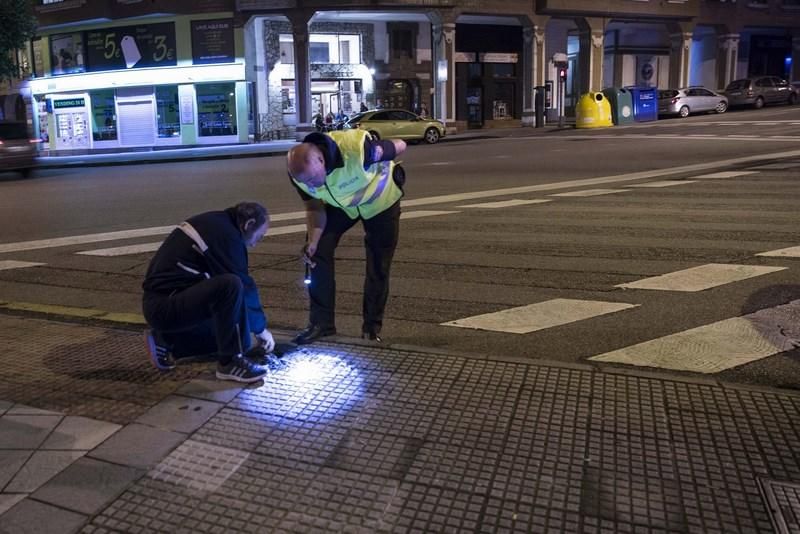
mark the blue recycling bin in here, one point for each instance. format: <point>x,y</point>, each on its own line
<point>645,103</point>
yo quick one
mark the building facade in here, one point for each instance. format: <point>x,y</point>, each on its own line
<point>127,74</point>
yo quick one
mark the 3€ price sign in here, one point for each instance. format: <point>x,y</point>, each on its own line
<point>131,47</point>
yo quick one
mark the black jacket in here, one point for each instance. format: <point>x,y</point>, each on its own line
<point>179,262</point>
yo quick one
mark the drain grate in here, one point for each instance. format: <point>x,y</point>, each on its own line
<point>783,504</point>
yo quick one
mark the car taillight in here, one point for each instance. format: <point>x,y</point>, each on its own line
<point>750,92</point>
<point>675,100</point>
<point>357,125</point>
<point>34,140</point>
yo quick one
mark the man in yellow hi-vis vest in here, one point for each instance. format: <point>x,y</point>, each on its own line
<point>343,177</point>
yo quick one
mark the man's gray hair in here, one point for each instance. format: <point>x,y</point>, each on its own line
<point>250,210</point>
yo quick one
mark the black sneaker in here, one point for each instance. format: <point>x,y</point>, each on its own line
<point>258,355</point>
<point>160,355</point>
<point>240,369</point>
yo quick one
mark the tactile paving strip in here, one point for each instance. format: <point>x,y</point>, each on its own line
<point>199,466</point>
<point>386,440</point>
<point>783,503</point>
<point>101,373</point>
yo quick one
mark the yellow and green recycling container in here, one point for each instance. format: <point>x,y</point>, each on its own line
<point>593,111</point>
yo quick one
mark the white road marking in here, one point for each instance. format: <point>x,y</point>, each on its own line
<point>539,316</point>
<point>664,183</point>
<point>725,174</point>
<point>440,163</point>
<point>122,251</point>
<point>11,264</point>
<point>115,236</point>
<point>791,252</point>
<point>424,213</point>
<point>458,197</point>
<point>778,166</point>
<point>701,278</point>
<point>281,230</point>
<point>506,203</point>
<point>679,137</point>
<point>81,239</point>
<point>718,346</point>
<point>590,193</point>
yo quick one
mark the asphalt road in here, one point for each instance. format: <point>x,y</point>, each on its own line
<point>465,261</point>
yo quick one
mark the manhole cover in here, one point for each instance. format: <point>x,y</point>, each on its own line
<point>783,504</point>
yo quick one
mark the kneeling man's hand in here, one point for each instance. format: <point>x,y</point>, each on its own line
<point>265,340</point>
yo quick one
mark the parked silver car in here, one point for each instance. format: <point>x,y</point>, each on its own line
<point>682,102</point>
<point>760,91</point>
<point>18,149</point>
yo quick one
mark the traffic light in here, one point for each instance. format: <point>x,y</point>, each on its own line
<point>562,74</point>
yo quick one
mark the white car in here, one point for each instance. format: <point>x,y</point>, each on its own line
<point>683,102</point>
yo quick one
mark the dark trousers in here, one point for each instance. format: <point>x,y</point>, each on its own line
<point>205,318</point>
<point>380,241</point>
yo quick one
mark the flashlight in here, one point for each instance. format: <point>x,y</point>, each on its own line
<point>307,277</point>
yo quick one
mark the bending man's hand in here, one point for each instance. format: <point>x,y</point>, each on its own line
<point>266,340</point>
<point>307,253</point>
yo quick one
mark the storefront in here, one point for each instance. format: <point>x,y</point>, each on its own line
<point>125,87</point>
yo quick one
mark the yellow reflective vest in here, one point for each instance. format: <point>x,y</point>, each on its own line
<point>359,192</point>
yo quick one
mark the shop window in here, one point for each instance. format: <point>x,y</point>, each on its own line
<point>287,96</point>
<point>502,70</point>
<point>216,109</point>
<point>287,52</point>
<point>320,52</point>
<point>402,43</point>
<point>167,111</point>
<point>66,53</point>
<point>104,115</point>
<point>503,104</point>
<point>475,70</point>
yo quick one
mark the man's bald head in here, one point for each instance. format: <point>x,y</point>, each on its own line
<point>306,164</point>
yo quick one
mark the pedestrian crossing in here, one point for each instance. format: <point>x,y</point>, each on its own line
<point>718,346</point>
<point>11,264</point>
<point>705,349</point>
<point>701,278</point>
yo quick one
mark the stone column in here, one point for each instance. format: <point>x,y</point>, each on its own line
<point>302,71</point>
<point>443,27</point>
<point>795,74</point>
<point>528,75</point>
<point>727,57</point>
<point>679,58</point>
<point>534,64</point>
<point>590,56</point>
<point>540,74</point>
<point>255,57</point>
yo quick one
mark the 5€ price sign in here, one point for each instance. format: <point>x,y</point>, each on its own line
<point>128,47</point>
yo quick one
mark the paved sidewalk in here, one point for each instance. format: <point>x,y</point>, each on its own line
<point>266,148</point>
<point>344,436</point>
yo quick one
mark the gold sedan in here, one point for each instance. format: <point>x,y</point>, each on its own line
<point>398,124</point>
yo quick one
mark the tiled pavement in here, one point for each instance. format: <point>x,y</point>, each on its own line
<point>356,438</point>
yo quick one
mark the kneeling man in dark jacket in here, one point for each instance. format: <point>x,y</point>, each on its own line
<point>199,297</point>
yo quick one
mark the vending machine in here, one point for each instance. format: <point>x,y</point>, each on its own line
<point>71,116</point>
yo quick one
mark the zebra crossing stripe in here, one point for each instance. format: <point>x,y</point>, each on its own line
<point>778,166</point>
<point>539,316</point>
<point>725,174</point>
<point>122,251</point>
<point>791,252</point>
<point>701,278</point>
<point>590,193</point>
<point>11,264</point>
<point>507,203</point>
<point>718,346</point>
<point>664,183</point>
